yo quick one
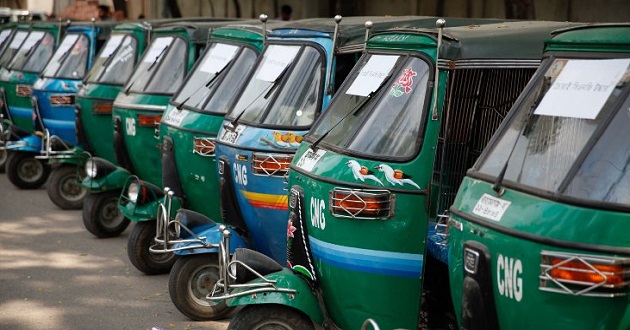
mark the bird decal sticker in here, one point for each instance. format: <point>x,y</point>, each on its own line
<point>361,172</point>
<point>395,177</point>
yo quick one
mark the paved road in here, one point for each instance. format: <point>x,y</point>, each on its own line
<point>56,275</point>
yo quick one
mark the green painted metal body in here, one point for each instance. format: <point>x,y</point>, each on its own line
<point>304,299</point>
<point>535,221</point>
<point>26,75</point>
<point>97,126</point>
<point>375,267</point>
<point>112,181</point>
<point>197,172</point>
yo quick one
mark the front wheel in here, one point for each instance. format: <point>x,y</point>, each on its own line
<point>191,279</point>
<point>270,317</point>
<point>138,243</point>
<point>25,171</point>
<point>64,189</point>
<point>101,216</point>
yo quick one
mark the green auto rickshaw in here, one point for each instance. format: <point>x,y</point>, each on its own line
<point>537,233</point>
<point>375,175</point>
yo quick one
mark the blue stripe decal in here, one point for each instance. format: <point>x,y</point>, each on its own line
<point>368,261</point>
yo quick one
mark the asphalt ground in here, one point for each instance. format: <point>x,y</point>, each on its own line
<point>54,274</point>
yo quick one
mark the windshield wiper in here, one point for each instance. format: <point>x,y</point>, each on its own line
<point>498,182</point>
<point>158,57</point>
<point>355,111</point>
<point>207,85</point>
<point>267,92</point>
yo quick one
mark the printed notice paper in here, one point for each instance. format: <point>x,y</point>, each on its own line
<point>112,44</point>
<point>157,46</point>
<point>582,88</point>
<point>372,75</point>
<point>276,58</point>
<point>220,55</point>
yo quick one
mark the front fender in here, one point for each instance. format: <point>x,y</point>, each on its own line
<point>213,235</point>
<point>112,181</point>
<point>31,143</point>
<point>304,299</point>
<point>147,211</point>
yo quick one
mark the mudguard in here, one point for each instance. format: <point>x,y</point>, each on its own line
<point>31,143</point>
<point>112,181</point>
<point>147,211</point>
<point>213,235</point>
<point>304,299</point>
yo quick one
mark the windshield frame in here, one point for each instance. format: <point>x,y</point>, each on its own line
<point>230,116</point>
<point>559,195</point>
<point>24,67</point>
<point>69,50</point>
<point>96,57</point>
<point>404,57</point>
<point>130,84</point>
<point>8,47</point>
<point>230,66</point>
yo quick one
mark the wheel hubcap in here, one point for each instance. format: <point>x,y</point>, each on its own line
<point>110,215</point>
<point>30,170</point>
<point>71,190</point>
<point>202,284</point>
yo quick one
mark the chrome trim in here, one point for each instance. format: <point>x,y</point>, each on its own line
<point>489,63</point>
<point>134,106</point>
<point>280,159</point>
<point>199,142</point>
<point>47,151</point>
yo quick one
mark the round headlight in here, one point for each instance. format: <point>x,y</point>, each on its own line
<point>132,192</point>
<point>90,168</point>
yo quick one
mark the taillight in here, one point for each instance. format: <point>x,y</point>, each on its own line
<point>102,108</point>
<point>271,164</point>
<point>23,90</point>
<point>149,120</point>
<point>584,274</point>
<point>60,100</point>
<point>362,203</point>
<point>203,146</point>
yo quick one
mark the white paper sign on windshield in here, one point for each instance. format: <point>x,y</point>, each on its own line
<point>372,75</point>
<point>67,42</point>
<point>582,88</point>
<point>220,55</point>
<point>18,39</point>
<point>32,39</point>
<point>4,35</point>
<point>157,46</point>
<point>277,58</point>
<point>112,44</point>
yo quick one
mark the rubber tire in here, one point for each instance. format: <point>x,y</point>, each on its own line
<point>270,316</point>
<point>202,272</point>
<point>138,243</point>
<point>98,212</point>
<point>14,161</point>
<point>57,183</point>
<point>3,159</point>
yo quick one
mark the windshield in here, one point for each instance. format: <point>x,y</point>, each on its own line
<point>70,58</point>
<point>4,36</point>
<point>115,62</point>
<point>203,82</point>
<point>562,137</point>
<point>162,68</point>
<point>285,88</point>
<point>34,52</point>
<point>379,110</point>
<point>15,44</point>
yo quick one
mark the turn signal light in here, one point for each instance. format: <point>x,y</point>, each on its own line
<point>102,108</point>
<point>271,164</point>
<point>23,90</point>
<point>62,100</point>
<point>361,204</point>
<point>203,146</point>
<point>149,120</point>
<point>578,271</point>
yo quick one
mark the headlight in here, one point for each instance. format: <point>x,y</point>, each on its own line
<point>132,192</point>
<point>90,168</point>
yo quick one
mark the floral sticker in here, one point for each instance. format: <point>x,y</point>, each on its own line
<point>403,83</point>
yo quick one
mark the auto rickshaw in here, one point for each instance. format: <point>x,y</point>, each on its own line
<point>188,130</point>
<point>536,233</point>
<point>52,99</point>
<point>376,172</point>
<point>137,111</point>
